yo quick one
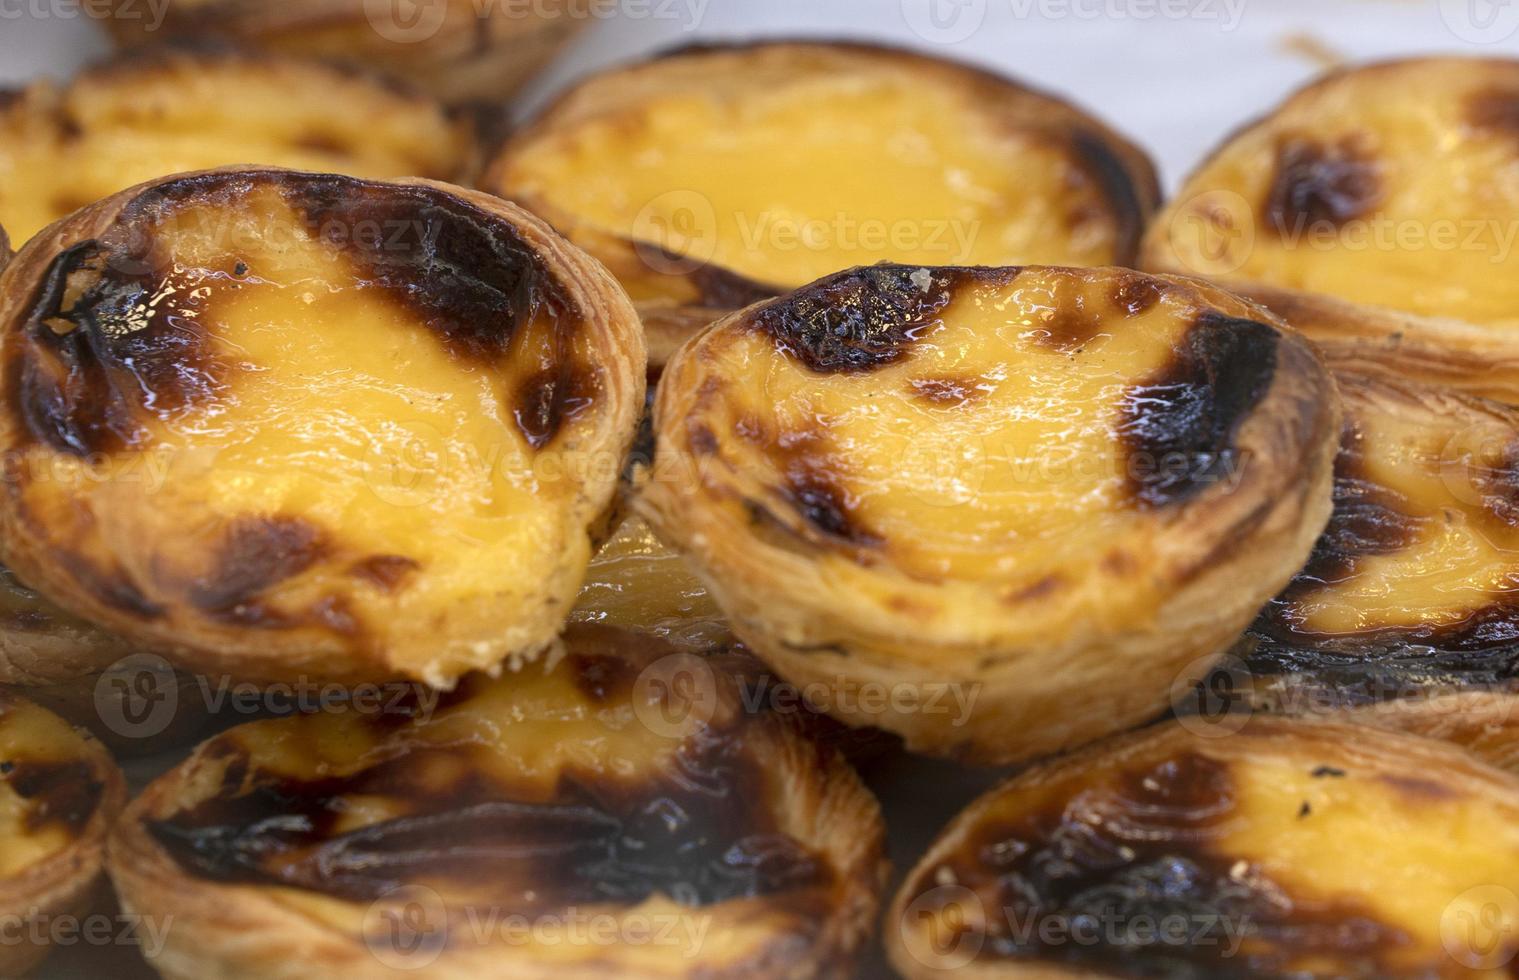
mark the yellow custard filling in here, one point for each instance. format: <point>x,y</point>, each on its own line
<point>61,149</point>
<point>1394,186</point>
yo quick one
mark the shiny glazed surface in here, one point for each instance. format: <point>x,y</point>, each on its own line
<point>1392,185</point>
<point>299,404</point>
<point>1314,851</point>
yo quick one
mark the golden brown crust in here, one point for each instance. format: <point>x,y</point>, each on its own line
<point>126,120</point>
<point>682,290</point>
<point>1371,211</point>
<point>811,582</point>
<point>460,50</point>
<point>77,783</point>
<point>577,744</point>
<point>1258,854</point>
<point>544,292</point>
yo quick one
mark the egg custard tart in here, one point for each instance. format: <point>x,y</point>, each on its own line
<point>1169,854</point>
<point>284,424</point>
<point>1394,187</point>
<point>136,118</point>
<point>995,511</point>
<point>716,176</point>
<point>458,50</point>
<point>626,790</point>
<point>59,792</point>
<point>1407,613</point>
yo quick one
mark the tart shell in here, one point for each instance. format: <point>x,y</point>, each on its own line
<point>826,604</point>
<point>225,631</point>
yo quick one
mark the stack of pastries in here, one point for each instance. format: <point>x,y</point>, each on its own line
<point>746,370</point>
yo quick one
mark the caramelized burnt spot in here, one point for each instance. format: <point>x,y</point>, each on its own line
<point>1144,846</point>
<point>1317,186</point>
<point>716,288</point>
<point>691,832</point>
<point>58,794</point>
<point>1437,547</point>
<point>117,332</point>
<point>1136,294</point>
<point>256,553</point>
<point>1097,161</point>
<point>1070,322</point>
<point>545,401</point>
<point>1368,519</point>
<point>864,318</point>
<point>106,341</point>
<point>816,486</point>
<point>467,275</point>
<point>1179,426</point>
<point>1495,110</point>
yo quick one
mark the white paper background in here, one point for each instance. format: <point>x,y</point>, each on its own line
<point>1174,75</point>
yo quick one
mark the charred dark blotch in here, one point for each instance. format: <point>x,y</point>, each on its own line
<point>59,794</point>
<point>1327,772</point>
<point>1378,666</point>
<point>1371,519</point>
<point>813,483</point>
<point>1320,186</point>
<point>1141,847</point>
<point>1070,325</point>
<point>1179,426</point>
<point>945,392</point>
<point>686,831</point>
<point>1135,294</point>
<point>1368,519</point>
<point>864,318</point>
<point>716,288</point>
<point>1127,201</point>
<point>549,398</point>
<point>95,365</point>
<point>469,275</point>
<point>385,572</point>
<point>110,584</point>
<point>255,554</point>
<point>1495,110</point>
